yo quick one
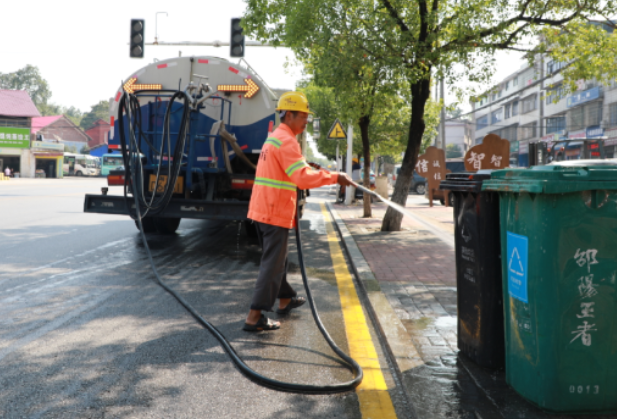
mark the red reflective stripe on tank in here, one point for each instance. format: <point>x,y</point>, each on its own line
<point>244,147</point>
<point>201,61</point>
<point>118,96</point>
<point>233,70</point>
<point>270,126</point>
<point>112,120</point>
<point>161,66</point>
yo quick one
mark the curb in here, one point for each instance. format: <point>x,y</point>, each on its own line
<point>402,351</point>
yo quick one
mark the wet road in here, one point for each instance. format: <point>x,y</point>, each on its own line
<point>86,333</point>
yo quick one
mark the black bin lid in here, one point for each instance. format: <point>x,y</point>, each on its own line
<point>465,181</point>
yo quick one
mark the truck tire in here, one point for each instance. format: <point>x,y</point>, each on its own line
<point>166,225</point>
<point>147,224</point>
<point>79,174</point>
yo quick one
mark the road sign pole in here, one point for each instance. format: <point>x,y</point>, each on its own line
<point>338,165</point>
<point>349,190</point>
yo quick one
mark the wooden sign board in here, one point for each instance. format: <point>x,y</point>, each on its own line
<point>493,153</point>
<point>432,166</point>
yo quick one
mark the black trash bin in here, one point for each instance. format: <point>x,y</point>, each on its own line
<point>478,268</point>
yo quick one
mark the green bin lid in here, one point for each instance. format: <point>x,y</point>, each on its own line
<point>553,179</point>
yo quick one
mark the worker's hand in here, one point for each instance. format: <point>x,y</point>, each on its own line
<point>314,165</point>
<point>344,180</point>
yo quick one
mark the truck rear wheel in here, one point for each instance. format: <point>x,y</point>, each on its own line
<point>147,224</point>
<point>166,225</point>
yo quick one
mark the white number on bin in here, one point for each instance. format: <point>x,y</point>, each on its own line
<point>585,389</point>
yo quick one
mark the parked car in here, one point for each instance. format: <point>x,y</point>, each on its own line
<point>418,183</point>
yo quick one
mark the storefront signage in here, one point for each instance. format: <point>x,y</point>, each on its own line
<point>43,146</point>
<point>582,97</point>
<point>553,137</point>
<point>523,147</point>
<point>14,137</point>
<point>611,135</point>
<point>513,146</point>
<point>595,132</point>
<point>10,152</point>
<point>577,134</point>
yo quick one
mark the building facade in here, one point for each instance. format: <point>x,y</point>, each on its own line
<point>531,105</point>
<point>460,133</point>
<point>16,113</point>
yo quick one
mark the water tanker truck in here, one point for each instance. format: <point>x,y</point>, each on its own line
<point>190,131</point>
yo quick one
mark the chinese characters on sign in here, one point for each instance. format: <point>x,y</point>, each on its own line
<point>14,137</point>
<point>586,290</point>
<point>476,160</point>
<point>432,166</point>
<point>493,153</point>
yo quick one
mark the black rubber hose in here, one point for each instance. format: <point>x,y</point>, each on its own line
<point>238,362</point>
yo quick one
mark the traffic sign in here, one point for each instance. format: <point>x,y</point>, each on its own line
<point>337,132</point>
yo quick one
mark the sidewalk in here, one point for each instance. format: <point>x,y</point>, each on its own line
<point>410,280</point>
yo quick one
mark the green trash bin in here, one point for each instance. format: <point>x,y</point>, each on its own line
<point>559,265</point>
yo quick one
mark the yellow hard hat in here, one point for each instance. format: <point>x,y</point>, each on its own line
<point>355,160</point>
<point>293,101</point>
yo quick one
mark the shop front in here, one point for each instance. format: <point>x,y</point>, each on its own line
<point>513,153</point>
<point>14,142</point>
<point>48,159</point>
<point>610,143</point>
<point>523,153</point>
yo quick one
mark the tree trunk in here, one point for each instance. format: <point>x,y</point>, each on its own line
<point>420,92</point>
<point>364,123</point>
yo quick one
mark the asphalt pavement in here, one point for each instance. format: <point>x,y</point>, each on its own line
<point>86,333</point>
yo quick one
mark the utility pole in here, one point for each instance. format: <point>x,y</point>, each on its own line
<point>349,190</point>
<point>442,125</point>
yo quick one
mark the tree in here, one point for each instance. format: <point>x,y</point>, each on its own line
<point>417,40</point>
<point>30,80</point>
<point>84,149</point>
<point>453,151</point>
<point>98,111</point>
<point>72,113</point>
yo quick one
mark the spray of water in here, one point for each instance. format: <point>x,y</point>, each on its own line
<point>391,204</point>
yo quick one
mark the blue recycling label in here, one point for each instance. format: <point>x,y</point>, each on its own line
<point>518,257</point>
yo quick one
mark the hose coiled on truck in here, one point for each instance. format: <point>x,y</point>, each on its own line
<point>135,179</point>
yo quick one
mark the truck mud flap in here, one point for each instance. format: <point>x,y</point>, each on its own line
<point>177,208</point>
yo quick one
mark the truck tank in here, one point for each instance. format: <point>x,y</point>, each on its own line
<point>232,110</point>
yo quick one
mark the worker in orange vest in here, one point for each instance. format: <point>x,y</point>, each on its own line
<point>280,170</point>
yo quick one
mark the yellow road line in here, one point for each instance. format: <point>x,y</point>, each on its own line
<point>375,402</point>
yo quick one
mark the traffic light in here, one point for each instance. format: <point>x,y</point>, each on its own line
<point>236,45</point>
<point>137,38</point>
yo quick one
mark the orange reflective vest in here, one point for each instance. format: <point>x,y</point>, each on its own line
<point>282,168</point>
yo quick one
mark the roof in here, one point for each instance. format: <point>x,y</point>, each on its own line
<point>43,121</point>
<point>17,103</point>
<point>61,128</point>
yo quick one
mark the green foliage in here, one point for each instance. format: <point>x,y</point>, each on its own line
<point>71,113</point>
<point>453,151</point>
<point>30,80</point>
<point>84,150</point>
<point>98,111</point>
<point>402,44</point>
<point>70,149</point>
